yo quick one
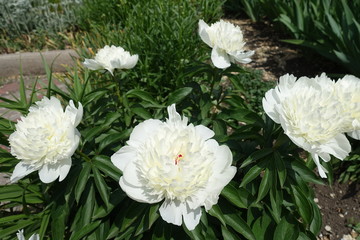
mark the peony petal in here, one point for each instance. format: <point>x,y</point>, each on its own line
<point>269,103</point>
<point>143,131</point>
<point>21,170</point>
<point>92,64</point>
<point>217,183</point>
<point>49,173</point>
<point>321,169</point>
<point>339,147</point>
<point>137,193</point>
<point>75,113</point>
<point>223,158</point>
<point>191,217</point>
<point>204,132</point>
<point>34,237</point>
<point>20,234</point>
<point>171,211</point>
<point>130,174</point>
<point>131,62</point>
<point>203,27</point>
<point>220,58</point>
<point>174,116</point>
<point>354,134</point>
<point>122,157</point>
<point>64,168</point>
<point>242,57</point>
<point>111,70</point>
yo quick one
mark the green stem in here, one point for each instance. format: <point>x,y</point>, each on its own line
<point>83,155</point>
<point>118,87</point>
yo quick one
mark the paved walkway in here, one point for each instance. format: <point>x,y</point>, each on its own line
<point>31,62</point>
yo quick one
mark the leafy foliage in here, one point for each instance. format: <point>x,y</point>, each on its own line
<point>269,198</point>
<point>330,28</point>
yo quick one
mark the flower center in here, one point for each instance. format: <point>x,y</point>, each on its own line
<point>178,158</point>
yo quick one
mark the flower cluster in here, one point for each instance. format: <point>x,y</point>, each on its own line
<point>45,140</point>
<point>226,41</point>
<point>177,162</point>
<point>315,114</point>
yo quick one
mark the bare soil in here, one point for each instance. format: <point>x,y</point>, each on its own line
<point>340,203</point>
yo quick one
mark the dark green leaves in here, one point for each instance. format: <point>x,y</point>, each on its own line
<point>178,95</point>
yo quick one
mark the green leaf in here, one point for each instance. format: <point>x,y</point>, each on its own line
<point>302,204</point>
<point>215,211</point>
<point>143,96</point>
<point>93,132</point>
<point>178,95</point>
<point>12,218</point>
<point>276,200</point>
<point>253,173</point>
<point>316,223</point>
<point>239,225</point>
<point>303,171</point>
<point>11,230</point>
<point>266,183</point>
<point>141,112</point>
<point>286,230</point>
<point>10,191</point>
<point>114,138</point>
<point>162,231</point>
<point>219,127</point>
<point>227,234</point>
<point>107,167</point>
<point>101,186</point>
<point>82,180</point>
<point>280,166</point>
<point>231,193</point>
<point>256,156</point>
<point>115,198</point>
<point>44,224</point>
<point>89,228</point>
<point>148,219</point>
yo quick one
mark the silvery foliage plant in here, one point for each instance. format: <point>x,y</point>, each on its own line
<point>23,16</point>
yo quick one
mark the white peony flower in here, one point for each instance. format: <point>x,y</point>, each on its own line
<point>310,114</point>
<point>110,58</point>
<point>45,140</point>
<point>348,89</point>
<point>226,41</point>
<point>20,235</point>
<point>177,162</point>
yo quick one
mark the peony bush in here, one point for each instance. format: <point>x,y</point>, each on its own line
<point>126,161</point>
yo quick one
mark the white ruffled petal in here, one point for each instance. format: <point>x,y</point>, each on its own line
<point>131,62</point>
<point>21,170</point>
<point>92,64</point>
<point>143,131</point>
<point>64,168</point>
<point>220,58</point>
<point>204,132</point>
<point>171,211</point>
<point>34,237</point>
<point>122,157</point>
<point>191,217</point>
<point>49,173</point>
<point>139,194</point>
<point>203,27</point>
<point>321,169</point>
